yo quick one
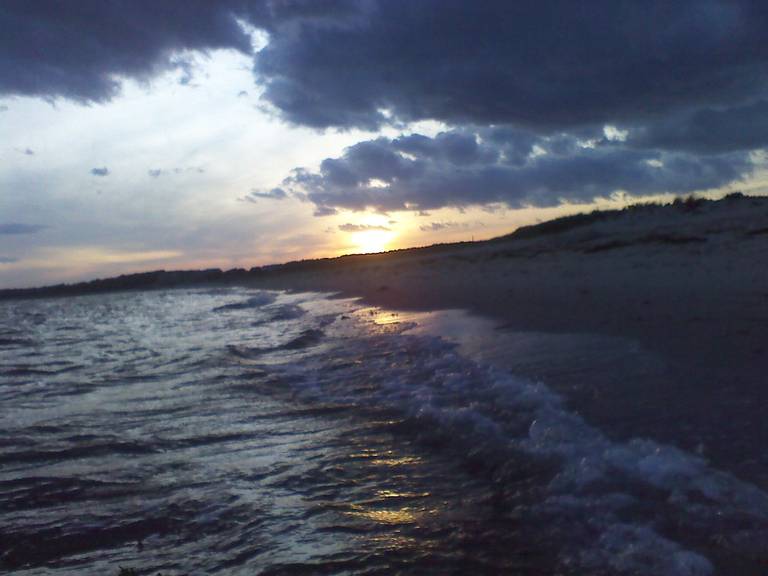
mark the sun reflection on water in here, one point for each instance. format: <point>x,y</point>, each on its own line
<point>398,516</point>
<point>383,508</point>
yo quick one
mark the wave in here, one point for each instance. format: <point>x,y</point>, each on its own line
<point>29,370</point>
<point>261,299</point>
<point>77,452</point>
<point>282,313</point>
<point>13,342</point>
<point>484,415</point>
<point>307,339</point>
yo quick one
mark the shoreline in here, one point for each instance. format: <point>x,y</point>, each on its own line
<point>684,324</point>
<point>677,294</point>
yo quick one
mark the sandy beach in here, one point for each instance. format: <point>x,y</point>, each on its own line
<point>583,396</point>
<point>651,324</point>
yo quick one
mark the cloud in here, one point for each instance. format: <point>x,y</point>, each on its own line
<point>103,171</point>
<point>3,108</point>
<point>437,226</point>
<point>502,166</point>
<point>683,77</point>
<point>187,71</point>
<point>8,260</point>
<point>480,63</point>
<point>273,194</point>
<point>80,52</point>
<point>362,228</point>
<point>157,172</point>
<point>541,65</point>
<point>13,228</point>
<point>25,151</point>
<point>708,130</point>
<point>83,52</point>
<point>325,211</point>
<point>544,102</point>
<point>182,169</point>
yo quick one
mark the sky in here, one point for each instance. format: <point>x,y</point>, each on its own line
<point>140,135</point>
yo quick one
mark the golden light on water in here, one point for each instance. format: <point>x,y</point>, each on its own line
<point>384,509</point>
<point>396,516</point>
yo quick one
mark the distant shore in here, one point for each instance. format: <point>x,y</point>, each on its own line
<point>686,284</point>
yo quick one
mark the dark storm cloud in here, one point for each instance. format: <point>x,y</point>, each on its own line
<point>546,65</point>
<point>12,228</point>
<point>529,88</point>
<point>103,171</point>
<point>361,228</point>
<point>709,130</point>
<point>78,50</point>
<point>394,174</point>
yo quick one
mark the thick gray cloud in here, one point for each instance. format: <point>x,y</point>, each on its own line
<point>78,50</point>
<point>708,130</point>
<point>103,171</point>
<point>420,173</point>
<point>546,65</point>
<point>13,228</point>
<point>8,260</point>
<point>534,82</point>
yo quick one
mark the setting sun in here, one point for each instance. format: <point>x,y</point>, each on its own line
<point>368,241</point>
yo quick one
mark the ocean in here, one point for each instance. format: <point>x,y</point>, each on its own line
<point>240,431</point>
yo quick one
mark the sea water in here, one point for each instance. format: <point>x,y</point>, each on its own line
<point>239,431</point>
